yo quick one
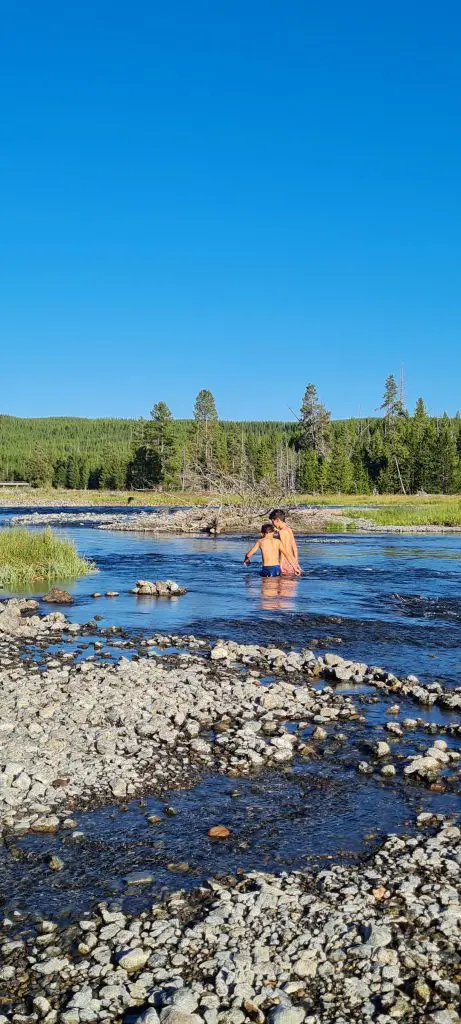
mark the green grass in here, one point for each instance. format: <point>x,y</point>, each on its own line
<point>28,556</point>
<point>417,513</point>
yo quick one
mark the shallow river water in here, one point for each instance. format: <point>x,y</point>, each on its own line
<point>390,601</point>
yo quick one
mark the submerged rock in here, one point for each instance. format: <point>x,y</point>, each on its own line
<point>57,596</point>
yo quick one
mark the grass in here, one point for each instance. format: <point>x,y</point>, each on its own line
<point>446,512</point>
<point>28,556</point>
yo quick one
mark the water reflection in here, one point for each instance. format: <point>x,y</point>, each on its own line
<point>278,593</point>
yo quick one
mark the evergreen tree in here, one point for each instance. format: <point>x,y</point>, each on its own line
<point>308,473</point>
<point>314,434</point>
<point>160,435</point>
<point>206,417</point>
<point>39,469</point>
<point>340,476</point>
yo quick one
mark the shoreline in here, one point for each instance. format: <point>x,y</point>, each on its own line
<point>196,521</point>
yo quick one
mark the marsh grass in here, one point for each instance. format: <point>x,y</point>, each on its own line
<point>28,556</point>
<point>440,513</point>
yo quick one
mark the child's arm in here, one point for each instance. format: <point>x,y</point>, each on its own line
<point>250,553</point>
<point>296,569</point>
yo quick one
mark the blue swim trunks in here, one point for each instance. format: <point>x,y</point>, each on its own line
<point>270,570</point>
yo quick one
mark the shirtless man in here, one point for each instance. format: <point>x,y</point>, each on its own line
<point>277,518</point>
<point>272,550</point>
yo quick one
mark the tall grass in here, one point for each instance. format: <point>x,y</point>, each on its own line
<point>442,513</point>
<point>28,556</point>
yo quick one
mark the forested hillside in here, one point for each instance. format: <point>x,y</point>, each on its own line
<point>395,452</point>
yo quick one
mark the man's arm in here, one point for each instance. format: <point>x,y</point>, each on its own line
<point>250,553</point>
<point>296,569</point>
<point>294,547</point>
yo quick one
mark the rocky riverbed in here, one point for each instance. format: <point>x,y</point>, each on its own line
<point>375,942</point>
<point>84,733</point>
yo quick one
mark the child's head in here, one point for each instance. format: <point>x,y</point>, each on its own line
<point>266,528</point>
<point>277,515</point>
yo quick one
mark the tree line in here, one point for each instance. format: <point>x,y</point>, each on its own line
<point>395,451</point>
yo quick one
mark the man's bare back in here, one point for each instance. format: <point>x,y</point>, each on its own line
<point>288,540</point>
<point>272,551</point>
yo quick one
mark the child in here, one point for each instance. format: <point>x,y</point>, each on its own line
<point>277,518</point>
<point>272,549</point>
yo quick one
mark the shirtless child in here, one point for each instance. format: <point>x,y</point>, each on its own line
<point>272,550</point>
<point>277,518</point>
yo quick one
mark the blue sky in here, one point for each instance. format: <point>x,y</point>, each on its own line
<point>242,196</point>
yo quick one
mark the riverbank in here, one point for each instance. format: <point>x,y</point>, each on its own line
<point>218,515</point>
<point>378,941</point>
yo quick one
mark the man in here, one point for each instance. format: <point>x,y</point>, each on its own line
<point>272,550</point>
<point>277,518</point>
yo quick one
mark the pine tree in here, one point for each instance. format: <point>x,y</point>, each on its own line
<point>339,477</point>
<point>205,416</point>
<point>160,435</point>
<point>314,422</point>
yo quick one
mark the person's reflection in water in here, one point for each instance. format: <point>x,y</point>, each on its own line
<point>278,593</point>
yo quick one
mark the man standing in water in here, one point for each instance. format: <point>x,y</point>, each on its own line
<point>272,551</point>
<point>286,535</point>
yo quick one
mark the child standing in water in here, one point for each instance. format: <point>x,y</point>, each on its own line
<point>277,518</point>
<point>272,551</point>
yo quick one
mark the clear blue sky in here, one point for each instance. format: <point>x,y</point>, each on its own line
<point>243,195</point>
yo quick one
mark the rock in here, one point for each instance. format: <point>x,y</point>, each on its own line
<point>56,864</point>
<point>139,878</point>
<point>421,991</point>
<point>41,1005</point>
<point>388,770</point>
<point>53,966</point>
<point>133,960</point>
<point>382,749</point>
<point>111,593</point>
<point>286,1015</point>
<point>318,734</point>
<point>56,596</point>
<point>219,832</point>
<point>381,893</point>
<point>379,935</point>
<point>170,1015</point>
<point>181,998</point>
<point>159,588</point>
<point>423,766</point>
<point>49,824</point>
<point>150,1016</point>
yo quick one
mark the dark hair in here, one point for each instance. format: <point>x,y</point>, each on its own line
<point>277,513</point>
<point>267,528</point>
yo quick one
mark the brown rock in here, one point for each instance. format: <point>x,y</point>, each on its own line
<point>381,893</point>
<point>56,596</point>
<point>219,832</point>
